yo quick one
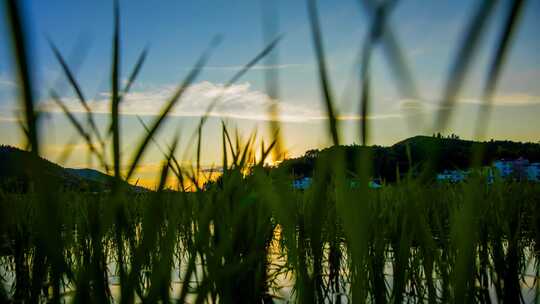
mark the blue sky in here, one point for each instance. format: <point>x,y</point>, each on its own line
<point>178,31</point>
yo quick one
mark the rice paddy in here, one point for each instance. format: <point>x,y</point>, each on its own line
<point>256,239</point>
<point>249,236</point>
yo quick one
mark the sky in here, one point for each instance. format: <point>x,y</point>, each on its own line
<point>177,32</point>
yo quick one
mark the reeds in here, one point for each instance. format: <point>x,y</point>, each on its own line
<point>248,236</point>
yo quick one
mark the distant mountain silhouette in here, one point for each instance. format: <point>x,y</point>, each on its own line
<point>90,174</point>
<point>18,168</point>
<point>452,152</point>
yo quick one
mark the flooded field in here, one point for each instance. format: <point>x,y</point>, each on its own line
<point>400,246</point>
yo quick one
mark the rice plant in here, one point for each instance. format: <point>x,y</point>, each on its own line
<point>248,236</point>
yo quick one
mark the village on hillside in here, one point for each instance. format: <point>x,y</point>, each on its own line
<point>508,170</point>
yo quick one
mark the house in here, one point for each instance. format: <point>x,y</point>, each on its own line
<point>504,168</point>
<point>305,182</point>
<point>452,176</point>
<point>302,183</point>
<point>533,172</point>
<point>519,169</point>
<point>374,185</point>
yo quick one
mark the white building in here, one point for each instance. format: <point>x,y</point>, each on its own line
<point>374,185</point>
<point>453,176</point>
<point>519,169</point>
<point>504,168</point>
<point>533,172</point>
<point>305,182</point>
<point>302,183</point>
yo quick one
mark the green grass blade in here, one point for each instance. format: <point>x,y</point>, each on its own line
<point>323,74</point>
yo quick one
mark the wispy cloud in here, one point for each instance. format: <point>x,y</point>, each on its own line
<point>240,101</point>
<point>501,100</point>
<point>60,148</point>
<point>4,81</point>
<point>243,101</point>
<point>516,99</point>
<point>9,113</point>
<point>8,118</point>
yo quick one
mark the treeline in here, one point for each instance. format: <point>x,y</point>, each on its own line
<point>412,155</point>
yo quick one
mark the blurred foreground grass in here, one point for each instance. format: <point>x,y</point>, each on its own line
<point>253,239</point>
<point>250,237</point>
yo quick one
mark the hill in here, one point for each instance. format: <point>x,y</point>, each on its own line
<point>452,152</point>
<point>18,168</point>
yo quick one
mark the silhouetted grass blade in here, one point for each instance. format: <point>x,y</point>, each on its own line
<point>392,50</point>
<point>254,61</point>
<point>168,107</point>
<point>135,72</point>
<point>198,133</point>
<point>79,129</point>
<point>78,91</point>
<point>22,58</point>
<point>175,164</point>
<point>271,75</point>
<point>493,74</point>
<point>115,94</point>
<point>466,51</point>
<point>323,75</point>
